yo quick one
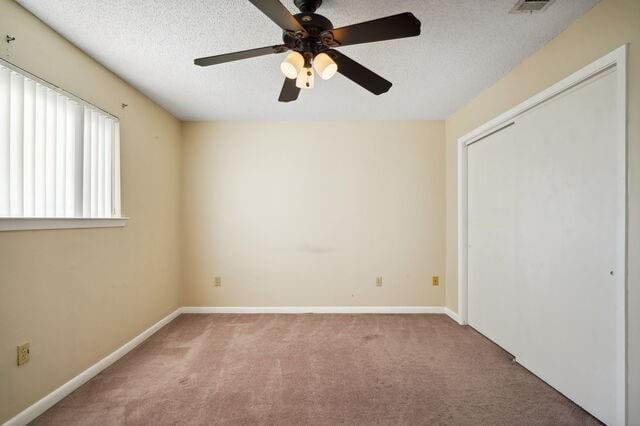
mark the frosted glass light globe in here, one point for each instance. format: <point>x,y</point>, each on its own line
<point>325,66</point>
<point>291,66</point>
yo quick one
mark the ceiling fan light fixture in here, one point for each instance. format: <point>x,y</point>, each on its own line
<point>308,34</point>
<point>305,78</point>
<point>325,66</point>
<point>292,65</point>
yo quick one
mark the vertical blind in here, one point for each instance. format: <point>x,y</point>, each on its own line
<point>59,156</point>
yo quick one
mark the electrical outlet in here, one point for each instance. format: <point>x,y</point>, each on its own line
<point>217,281</point>
<point>24,353</point>
<point>435,281</point>
<point>378,281</point>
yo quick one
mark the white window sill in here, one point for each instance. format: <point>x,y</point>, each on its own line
<point>33,223</point>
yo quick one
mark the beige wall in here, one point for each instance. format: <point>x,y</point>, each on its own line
<point>77,295</point>
<point>607,26</point>
<point>310,213</point>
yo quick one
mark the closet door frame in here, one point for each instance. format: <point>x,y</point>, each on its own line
<point>616,59</point>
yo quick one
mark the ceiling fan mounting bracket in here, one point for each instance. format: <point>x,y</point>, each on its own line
<point>280,49</point>
<point>326,37</point>
<point>307,6</point>
<point>297,35</point>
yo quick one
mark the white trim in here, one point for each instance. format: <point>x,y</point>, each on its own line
<point>29,223</point>
<point>617,59</point>
<point>313,310</point>
<point>453,315</point>
<point>463,240</point>
<point>491,132</point>
<point>33,411</point>
<point>623,216</point>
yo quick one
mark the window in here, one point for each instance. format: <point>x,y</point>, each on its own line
<point>59,155</point>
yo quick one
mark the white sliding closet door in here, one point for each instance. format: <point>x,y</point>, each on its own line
<point>493,269</point>
<point>542,227</point>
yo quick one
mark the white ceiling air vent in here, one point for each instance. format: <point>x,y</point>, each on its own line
<point>524,6</point>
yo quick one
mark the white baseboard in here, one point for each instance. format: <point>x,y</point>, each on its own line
<point>33,411</point>
<point>453,315</point>
<point>314,310</point>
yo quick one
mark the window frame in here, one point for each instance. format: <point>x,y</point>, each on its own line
<point>12,223</point>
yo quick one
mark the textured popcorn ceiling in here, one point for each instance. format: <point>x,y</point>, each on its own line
<point>465,46</point>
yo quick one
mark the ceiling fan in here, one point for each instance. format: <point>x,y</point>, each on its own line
<point>312,41</point>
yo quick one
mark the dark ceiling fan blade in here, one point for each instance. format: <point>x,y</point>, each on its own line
<point>278,14</point>
<point>289,91</point>
<point>389,28</point>
<point>236,56</point>
<point>360,74</point>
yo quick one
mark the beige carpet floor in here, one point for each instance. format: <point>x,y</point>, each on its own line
<point>319,370</point>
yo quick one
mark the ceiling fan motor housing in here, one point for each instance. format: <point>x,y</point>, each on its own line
<point>307,6</point>
<point>318,38</point>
